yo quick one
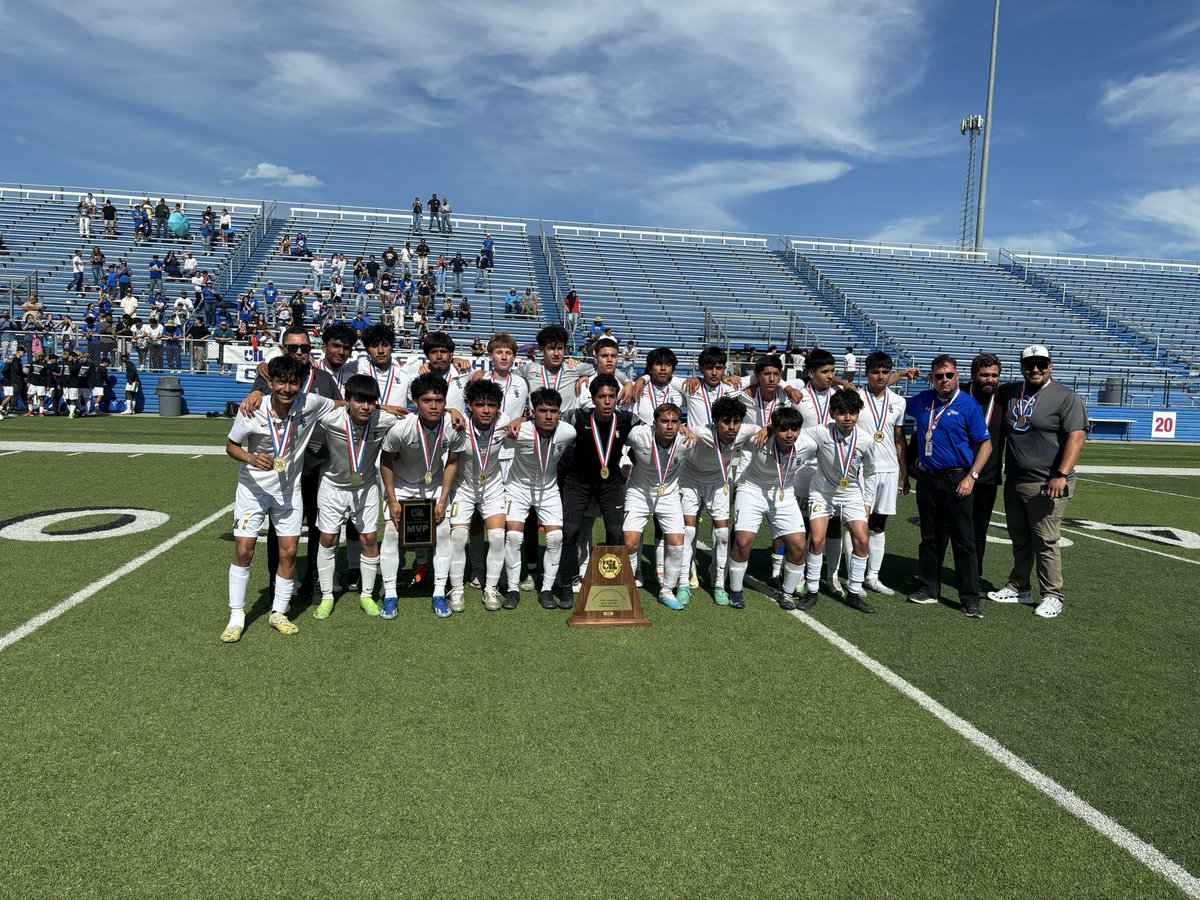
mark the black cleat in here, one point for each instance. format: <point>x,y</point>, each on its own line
<point>511,599</point>
<point>354,581</point>
<point>971,610</point>
<point>786,601</point>
<point>566,599</point>
<point>736,600</point>
<point>859,602</point>
<point>546,598</point>
<point>807,602</point>
<point>922,596</point>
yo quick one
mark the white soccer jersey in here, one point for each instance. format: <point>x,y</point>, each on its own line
<point>537,376</point>
<point>880,416</point>
<point>644,449</point>
<point>340,375</point>
<point>836,457</point>
<point>584,398</point>
<point>515,390</point>
<point>535,459</point>
<point>393,381</point>
<point>345,441</point>
<point>758,408</point>
<point>480,453</point>
<point>651,397</point>
<point>699,404</point>
<point>286,438</point>
<point>814,410</point>
<point>419,450</point>
<point>703,464</point>
<point>769,470</point>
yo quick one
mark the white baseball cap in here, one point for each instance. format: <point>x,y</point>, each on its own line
<point>1035,351</point>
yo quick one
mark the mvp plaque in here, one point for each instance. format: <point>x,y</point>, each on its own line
<point>416,523</point>
<point>609,596</point>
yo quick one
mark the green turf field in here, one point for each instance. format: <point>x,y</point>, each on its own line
<point>718,753</point>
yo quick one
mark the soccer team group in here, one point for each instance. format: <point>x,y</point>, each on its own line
<point>550,446</point>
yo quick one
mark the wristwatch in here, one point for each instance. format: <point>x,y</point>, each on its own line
<point>974,475</point>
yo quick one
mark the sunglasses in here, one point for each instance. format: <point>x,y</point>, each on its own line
<point>297,348</point>
<point>944,376</point>
<point>1035,364</point>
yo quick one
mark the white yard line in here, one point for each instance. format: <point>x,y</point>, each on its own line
<point>135,449</point>
<point>9,452</point>
<point>133,565</point>
<point>1137,470</point>
<point>1134,487</point>
<point>1145,853</point>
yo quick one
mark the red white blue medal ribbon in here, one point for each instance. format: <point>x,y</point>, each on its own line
<point>312,375</point>
<point>557,377</point>
<point>385,392</point>
<point>708,400</point>
<point>543,460</point>
<point>603,452</point>
<point>935,416</point>
<point>482,455</point>
<point>429,449</point>
<point>280,441</point>
<point>784,471</point>
<point>765,410</point>
<point>356,453</point>
<point>822,412</point>
<point>659,468</point>
<point>725,467</point>
<point>846,458</point>
<point>878,413</point>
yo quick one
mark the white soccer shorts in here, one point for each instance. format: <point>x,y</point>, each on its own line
<point>360,505</point>
<point>640,505</point>
<point>847,507</point>
<point>71,393</point>
<point>752,503</point>
<point>548,504</point>
<point>887,486</point>
<point>710,496</point>
<point>252,505</point>
<point>487,498</point>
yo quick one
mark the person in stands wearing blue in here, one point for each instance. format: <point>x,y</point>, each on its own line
<point>270,295</point>
<point>300,244</point>
<point>155,273</point>
<point>952,449</point>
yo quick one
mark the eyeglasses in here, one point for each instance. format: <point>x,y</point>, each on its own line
<point>944,376</point>
<point>297,348</point>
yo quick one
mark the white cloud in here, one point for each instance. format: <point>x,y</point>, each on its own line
<point>281,175</point>
<point>916,229</point>
<point>1049,240</point>
<point>1161,105</point>
<point>1177,210</point>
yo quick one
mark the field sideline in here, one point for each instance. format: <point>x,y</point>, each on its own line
<point>500,754</point>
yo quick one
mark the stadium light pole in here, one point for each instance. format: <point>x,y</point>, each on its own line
<point>987,131</point>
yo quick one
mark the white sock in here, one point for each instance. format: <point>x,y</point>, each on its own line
<point>441,559</point>
<point>475,551</point>
<point>389,558</point>
<point>283,594</point>
<point>858,566</point>
<point>554,544</point>
<point>791,576</point>
<point>239,577</point>
<point>737,574</point>
<point>353,555</point>
<point>720,555</point>
<point>812,577</point>
<point>513,541</point>
<point>876,541</point>
<point>326,562</point>
<point>660,559</point>
<point>585,542</point>
<point>847,548</point>
<point>458,555</point>
<point>672,557</point>
<point>495,558</point>
<point>689,548</point>
<point>369,565</point>
<point>776,562</point>
<point>237,618</point>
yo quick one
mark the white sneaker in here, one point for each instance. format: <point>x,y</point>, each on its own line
<point>491,598</point>
<point>637,577</point>
<point>475,582</point>
<point>1009,594</point>
<point>576,584</point>
<point>693,578</point>
<point>835,585</point>
<point>527,583</point>
<point>874,584</point>
<point>1048,608</point>
<point>456,600</point>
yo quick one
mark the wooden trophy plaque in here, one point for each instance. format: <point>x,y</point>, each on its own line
<point>416,523</point>
<point>609,596</point>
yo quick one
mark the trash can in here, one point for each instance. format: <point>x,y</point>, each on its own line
<point>1113,391</point>
<point>170,396</point>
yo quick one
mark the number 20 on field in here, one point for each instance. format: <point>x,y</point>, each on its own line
<point>1163,425</point>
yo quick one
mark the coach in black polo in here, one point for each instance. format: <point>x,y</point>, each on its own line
<point>953,447</point>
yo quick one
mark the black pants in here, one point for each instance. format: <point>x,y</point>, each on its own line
<point>309,483</point>
<point>576,495</point>
<point>985,502</point>
<point>947,518</point>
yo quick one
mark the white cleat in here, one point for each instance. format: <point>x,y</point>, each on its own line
<point>878,587</point>
<point>491,599</point>
<point>527,584</point>
<point>693,578</point>
<point>457,602</point>
<point>835,585</point>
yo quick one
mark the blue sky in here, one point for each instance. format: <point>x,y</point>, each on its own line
<point>835,118</point>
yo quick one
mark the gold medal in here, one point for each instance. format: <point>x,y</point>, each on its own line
<point>662,489</point>
<point>929,437</point>
<point>725,489</point>
<point>356,478</point>
<point>604,471</point>
<point>782,494</point>
<point>279,463</point>
<point>1022,422</point>
<point>843,483</point>
<point>429,478</point>
<point>483,477</point>
<point>879,437</point>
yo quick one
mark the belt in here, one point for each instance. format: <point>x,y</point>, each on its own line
<point>958,473</point>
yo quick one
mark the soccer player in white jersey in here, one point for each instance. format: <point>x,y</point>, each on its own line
<point>532,483</point>
<point>554,370</point>
<point>349,488</point>
<point>761,398</point>
<point>393,379</point>
<point>766,488</point>
<point>419,462</point>
<point>658,452</point>
<point>272,461</point>
<point>843,484</point>
<point>707,482</point>
<point>479,487</point>
<point>883,420</point>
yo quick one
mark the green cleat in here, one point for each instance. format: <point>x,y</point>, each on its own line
<point>720,597</point>
<point>369,606</point>
<point>324,608</point>
<point>684,595</point>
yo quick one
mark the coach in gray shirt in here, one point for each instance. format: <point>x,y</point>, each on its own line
<point>1045,425</point>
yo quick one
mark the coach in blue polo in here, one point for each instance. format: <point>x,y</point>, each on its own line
<point>952,448</point>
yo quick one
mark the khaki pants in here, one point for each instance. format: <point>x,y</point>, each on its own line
<point>1034,526</point>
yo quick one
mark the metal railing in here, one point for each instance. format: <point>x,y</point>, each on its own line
<point>250,240</point>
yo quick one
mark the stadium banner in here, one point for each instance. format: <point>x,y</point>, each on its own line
<point>1163,424</point>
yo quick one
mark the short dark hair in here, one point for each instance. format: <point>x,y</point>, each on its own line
<point>545,397</point>
<point>878,360</point>
<point>379,333</point>
<point>712,356</point>
<point>483,389</point>
<point>785,418</point>
<point>605,342</point>
<point>429,383</point>
<point>730,408</point>
<point>943,359</point>
<point>984,361</point>
<point>437,340</point>
<point>662,355</point>
<point>339,331</point>
<point>667,409</point>
<point>603,381</point>
<point>361,387</point>
<point>768,361</point>
<point>286,367</point>
<point>293,329</point>
<point>552,336</point>
<point>846,401</point>
<point>818,358</point>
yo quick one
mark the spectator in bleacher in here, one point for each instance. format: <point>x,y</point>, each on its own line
<point>416,215</point>
<point>162,214</point>
<point>464,311</point>
<point>208,236</point>
<point>390,259</point>
<point>190,265</point>
<point>435,208</point>
<point>488,249</point>
<point>372,268</point>
<point>15,384</point>
<point>385,285</point>
<point>108,343</point>
<point>173,345</point>
<point>362,286</point>
<point>529,302</point>
<point>396,314</point>
<point>197,335</point>
<point>226,225</point>
<point>439,272</point>
<point>446,226</point>
<point>405,290</point>
<point>337,265</point>
<point>199,279</point>
<point>360,322</point>
<point>124,277</point>
<point>300,244</point>
<point>424,295</point>
<point>406,259</point>
<point>125,333</point>
<point>478,348</point>
<point>447,313</point>
<point>571,309</point>
<point>135,224</point>
<point>152,331</point>
<point>32,304</point>
<point>512,303</point>
<point>596,331</point>
<point>112,288</point>
<point>184,307</point>
<point>108,215</point>
<point>154,271</point>
<point>77,273</point>
<point>336,291</point>
<point>297,306</point>
<point>629,358</point>
<point>849,365</point>
<point>458,265</point>
<point>3,246</point>
<point>247,307</point>
<point>481,273</point>
<point>97,262</point>
<point>90,334</point>
<point>208,216</point>
<point>422,254</point>
<point>316,266</point>
<point>222,336</point>
<point>83,215</point>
